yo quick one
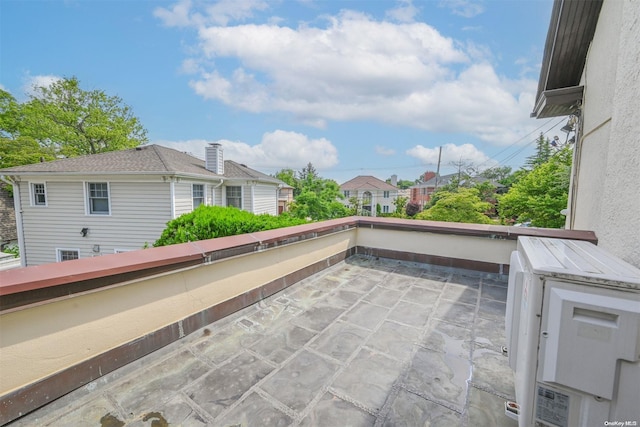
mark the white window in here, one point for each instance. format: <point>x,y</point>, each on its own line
<point>38,194</point>
<point>234,196</point>
<point>385,194</point>
<point>346,193</point>
<point>385,209</point>
<point>197,194</point>
<point>98,198</point>
<point>67,254</point>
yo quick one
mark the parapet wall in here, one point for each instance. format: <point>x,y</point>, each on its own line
<point>66,324</point>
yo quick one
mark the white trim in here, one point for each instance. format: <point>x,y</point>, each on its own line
<point>58,254</point>
<point>17,204</point>
<point>32,198</point>
<point>172,193</point>
<point>87,208</point>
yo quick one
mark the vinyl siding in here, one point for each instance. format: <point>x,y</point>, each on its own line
<point>265,200</point>
<point>217,195</point>
<point>183,199</point>
<point>139,213</point>
<point>247,204</point>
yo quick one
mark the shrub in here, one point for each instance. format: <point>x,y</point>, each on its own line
<point>208,222</point>
<point>12,249</point>
<point>412,209</point>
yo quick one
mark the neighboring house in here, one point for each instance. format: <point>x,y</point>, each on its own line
<point>122,200</point>
<point>421,193</point>
<point>285,198</point>
<point>370,192</point>
<point>8,232</point>
<point>590,70</point>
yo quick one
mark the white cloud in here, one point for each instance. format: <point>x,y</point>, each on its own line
<point>32,82</point>
<point>405,12</point>
<point>383,151</point>
<point>278,149</point>
<point>464,8</point>
<point>451,153</point>
<point>184,13</point>
<point>357,68</point>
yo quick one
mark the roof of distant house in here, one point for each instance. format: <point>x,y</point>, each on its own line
<point>145,159</point>
<point>367,182</point>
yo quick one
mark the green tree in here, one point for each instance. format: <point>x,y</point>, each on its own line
<point>16,149</point>
<point>316,197</point>
<point>400,202</point>
<point>355,206</point>
<point>540,195</point>
<point>497,173</point>
<point>402,184</point>
<point>514,177</point>
<point>464,205</point>
<point>289,176</point>
<point>542,154</point>
<point>69,121</point>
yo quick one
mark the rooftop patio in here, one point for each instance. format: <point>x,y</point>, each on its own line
<point>368,341</point>
<point>356,321</point>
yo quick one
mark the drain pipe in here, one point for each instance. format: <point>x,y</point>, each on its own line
<point>18,208</point>
<point>213,192</point>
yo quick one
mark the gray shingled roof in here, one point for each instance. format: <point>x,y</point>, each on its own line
<point>144,159</point>
<point>367,182</point>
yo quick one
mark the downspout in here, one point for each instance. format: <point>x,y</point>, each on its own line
<point>19,225</point>
<point>172,192</point>
<point>213,192</point>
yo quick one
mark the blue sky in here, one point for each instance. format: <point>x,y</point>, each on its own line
<point>355,87</point>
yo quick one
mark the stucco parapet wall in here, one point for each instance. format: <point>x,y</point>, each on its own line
<point>479,230</point>
<point>28,285</point>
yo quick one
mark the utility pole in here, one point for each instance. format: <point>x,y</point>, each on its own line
<point>438,169</point>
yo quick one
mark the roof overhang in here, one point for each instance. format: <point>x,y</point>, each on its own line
<point>571,29</point>
<point>558,102</point>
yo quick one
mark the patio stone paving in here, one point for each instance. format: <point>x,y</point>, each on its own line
<point>367,342</point>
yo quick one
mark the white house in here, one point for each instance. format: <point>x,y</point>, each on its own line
<point>370,192</point>
<point>122,200</point>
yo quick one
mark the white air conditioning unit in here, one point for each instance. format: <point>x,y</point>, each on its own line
<point>573,335</point>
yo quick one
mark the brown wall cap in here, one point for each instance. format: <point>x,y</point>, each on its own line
<point>181,255</point>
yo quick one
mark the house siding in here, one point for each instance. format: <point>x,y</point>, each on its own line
<point>247,202</point>
<point>264,200</point>
<point>605,202</point>
<point>139,213</point>
<point>183,198</point>
<point>216,194</point>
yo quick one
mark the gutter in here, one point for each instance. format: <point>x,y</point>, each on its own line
<point>17,205</point>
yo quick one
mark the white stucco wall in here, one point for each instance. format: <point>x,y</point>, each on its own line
<point>608,171</point>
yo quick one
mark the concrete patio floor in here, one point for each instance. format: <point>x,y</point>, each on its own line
<point>367,342</point>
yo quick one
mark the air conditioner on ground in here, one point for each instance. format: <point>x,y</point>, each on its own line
<point>573,335</point>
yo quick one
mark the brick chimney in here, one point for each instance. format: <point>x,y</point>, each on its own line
<point>214,161</point>
<point>428,175</point>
